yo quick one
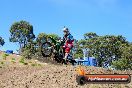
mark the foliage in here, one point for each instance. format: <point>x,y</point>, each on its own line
<point>41,38</point>
<point>4,55</point>
<point>39,65</point>
<point>21,32</point>
<point>2,62</point>
<point>108,48</point>
<point>28,51</point>
<point>36,64</point>
<point>104,48</point>
<point>22,60</point>
<point>1,41</point>
<point>34,48</point>
<point>90,35</point>
<point>13,60</point>
<point>33,64</point>
<point>79,53</point>
<point>54,36</point>
<point>125,62</point>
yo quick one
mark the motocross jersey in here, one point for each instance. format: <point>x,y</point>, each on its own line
<point>68,39</point>
<point>68,43</point>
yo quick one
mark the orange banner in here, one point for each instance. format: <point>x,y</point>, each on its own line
<point>104,78</point>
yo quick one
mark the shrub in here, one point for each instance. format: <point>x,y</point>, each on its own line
<point>22,60</point>
<point>27,54</point>
<point>28,51</point>
<point>39,65</point>
<point>2,63</point>
<point>5,56</point>
<point>13,59</point>
<point>33,64</point>
<point>30,61</point>
<point>25,63</point>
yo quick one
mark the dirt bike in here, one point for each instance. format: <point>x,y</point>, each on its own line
<point>55,48</point>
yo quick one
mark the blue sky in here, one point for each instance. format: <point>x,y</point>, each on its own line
<point>81,16</point>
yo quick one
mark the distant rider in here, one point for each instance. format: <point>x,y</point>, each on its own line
<point>68,39</point>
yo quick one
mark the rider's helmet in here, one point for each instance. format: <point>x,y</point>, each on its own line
<point>65,30</point>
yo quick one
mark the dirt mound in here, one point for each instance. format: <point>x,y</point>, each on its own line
<point>50,76</point>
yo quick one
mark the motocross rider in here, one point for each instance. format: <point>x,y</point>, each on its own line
<point>68,39</point>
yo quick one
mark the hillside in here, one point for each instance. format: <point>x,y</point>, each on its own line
<point>46,75</point>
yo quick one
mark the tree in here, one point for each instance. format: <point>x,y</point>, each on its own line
<point>125,62</point>
<point>41,38</point>
<point>104,48</point>
<point>90,35</point>
<point>55,36</point>
<point>1,41</point>
<point>78,53</point>
<point>21,32</point>
<point>29,51</point>
<point>77,50</point>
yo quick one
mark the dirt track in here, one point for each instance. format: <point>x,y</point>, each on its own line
<point>49,76</point>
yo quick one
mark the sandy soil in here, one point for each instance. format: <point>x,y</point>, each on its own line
<point>14,74</point>
<point>51,76</point>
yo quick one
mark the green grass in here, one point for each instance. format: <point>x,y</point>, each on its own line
<point>4,56</point>
<point>2,63</point>
<point>13,59</point>
<point>33,64</point>
<point>39,65</point>
<point>22,60</point>
<point>30,61</point>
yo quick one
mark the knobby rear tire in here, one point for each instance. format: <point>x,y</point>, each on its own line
<point>45,51</point>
